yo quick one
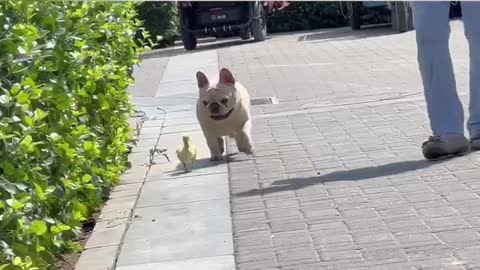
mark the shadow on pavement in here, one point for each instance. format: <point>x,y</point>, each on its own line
<point>198,164</point>
<point>350,175</point>
<point>348,34</point>
<point>219,44</point>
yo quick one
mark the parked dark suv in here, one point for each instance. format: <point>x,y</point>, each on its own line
<point>218,19</point>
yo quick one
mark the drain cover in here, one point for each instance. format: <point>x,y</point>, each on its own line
<point>264,101</point>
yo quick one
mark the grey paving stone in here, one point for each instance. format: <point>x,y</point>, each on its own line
<point>468,253</point>
<point>330,226</point>
<point>421,239</point>
<point>442,211</point>
<point>180,225</point>
<point>325,240</point>
<point>119,204</point>
<point>283,226</point>
<point>124,193</point>
<point>341,255</point>
<point>101,258</point>
<point>364,224</point>
<point>174,247</point>
<point>294,257</point>
<point>114,215</point>
<point>107,233</point>
<point>369,238</point>
<point>305,266</point>
<point>135,175</point>
<point>254,255</point>
<point>182,190</point>
<point>363,213</point>
<point>127,187</point>
<point>464,235</point>
<point>209,263</point>
<point>446,223</point>
<point>384,255</point>
<point>257,265</point>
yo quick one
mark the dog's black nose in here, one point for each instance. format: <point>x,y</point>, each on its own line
<point>214,108</point>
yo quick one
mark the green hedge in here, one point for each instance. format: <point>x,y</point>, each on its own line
<point>301,16</point>
<point>64,72</point>
<point>161,21</point>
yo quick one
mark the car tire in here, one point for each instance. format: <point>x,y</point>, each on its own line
<point>355,20</point>
<point>189,40</point>
<point>245,34</point>
<point>258,25</point>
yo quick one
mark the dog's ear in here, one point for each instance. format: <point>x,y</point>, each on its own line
<point>226,77</point>
<point>202,80</point>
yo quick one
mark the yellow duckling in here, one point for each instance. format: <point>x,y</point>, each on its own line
<point>187,153</point>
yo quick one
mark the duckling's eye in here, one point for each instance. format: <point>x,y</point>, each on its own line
<point>205,103</point>
<point>224,100</point>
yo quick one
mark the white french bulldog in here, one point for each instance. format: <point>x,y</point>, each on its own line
<point>223,109</point>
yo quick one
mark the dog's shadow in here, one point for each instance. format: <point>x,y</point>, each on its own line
<point>381,171</point>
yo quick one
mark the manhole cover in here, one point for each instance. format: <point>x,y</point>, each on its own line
<point>264,101</point>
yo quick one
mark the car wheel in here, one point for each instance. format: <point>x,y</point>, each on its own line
<point>245,34</point>
<point>189,40</point>
<point>259,23</point>
<point>355,20</point>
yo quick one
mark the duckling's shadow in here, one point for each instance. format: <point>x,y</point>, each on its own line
<point>200,166</point>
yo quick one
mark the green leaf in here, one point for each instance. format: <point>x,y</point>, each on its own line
<point>55,136</point>
<point>88,146</point>
<point>10,46</point>
<point>29,121</point>
<point>29,82</point>
<point>21,50</point>
<point>86,178</point>
<point>39,247</point>
<point>40,192</point>
<point>49,189</point>
<point>15,89</point>
<point>90,186</point>
<point>14,119</point>
<point>17,261</point>
<point>49,220</point>
<point>6,136</point>
<point>27,141</point>
<point>77,215</point>
<point>22,97</point>
<point>16,205</point>
<point>4,99</point>
<point>38,227</point>
<point>8,168</point>
<point>40,114</point>
<point>56,229</point>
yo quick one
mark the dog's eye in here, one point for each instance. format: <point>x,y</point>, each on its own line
<point>205,103</point>
<point>224,101</point>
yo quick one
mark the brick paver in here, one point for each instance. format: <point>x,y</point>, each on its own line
<point>338,180</point>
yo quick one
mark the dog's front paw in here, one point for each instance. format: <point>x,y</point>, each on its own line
<point>249,150</point>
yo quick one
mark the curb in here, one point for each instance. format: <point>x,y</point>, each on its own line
<point>103,246</point>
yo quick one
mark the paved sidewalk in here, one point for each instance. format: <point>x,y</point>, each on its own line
<point>180,221</point>
<point>338,180</point>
